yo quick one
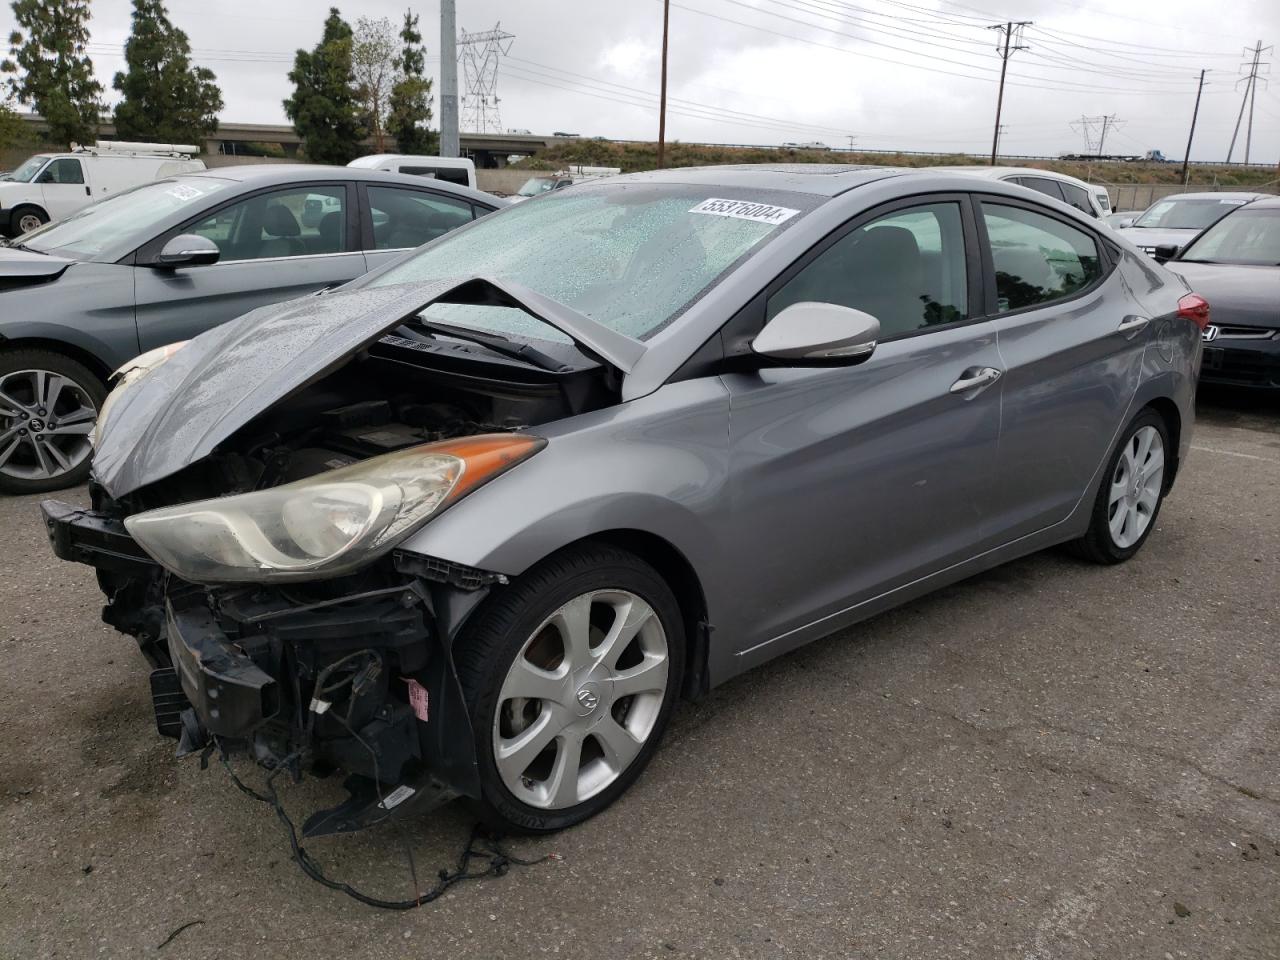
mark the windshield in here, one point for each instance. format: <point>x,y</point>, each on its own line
<point>534,186</point>
<point>121,216</point>
<point>1249,236</point>
<point>629,255</point>
<point>1186,214</point>
<point>30,167</point>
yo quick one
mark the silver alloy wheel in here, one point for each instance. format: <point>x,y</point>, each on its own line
<point>45,423</point>
<point>580,699</point>
<point>1135,487</point>
<point>28,222</point>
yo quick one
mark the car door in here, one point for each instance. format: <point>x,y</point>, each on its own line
<point>275,245</point>
<point>397,219</point>
<point>63,187</point>
<point>1071,347</point>
<point>852,481</point>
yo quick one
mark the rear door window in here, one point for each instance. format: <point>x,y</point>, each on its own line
<point>1077,197</point>
<point>1042,185</point>
<point>1037,259</point>
<point>405,218</point>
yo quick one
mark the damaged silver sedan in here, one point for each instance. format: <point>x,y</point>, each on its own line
<point>471,525</point>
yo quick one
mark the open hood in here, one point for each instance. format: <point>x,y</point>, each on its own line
<point>20,267</point>
<point>178,413</point>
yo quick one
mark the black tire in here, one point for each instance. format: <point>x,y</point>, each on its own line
<point>94,390</point>
<point>26,211</point>
<point>498,632</point>
<point>1098,545</point>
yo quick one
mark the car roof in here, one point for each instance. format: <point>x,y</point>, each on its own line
<point>1266,202</point>
<point>996,173</point>
<point>255,175</point>
<point>820,179</point>
<point>1211,195</point>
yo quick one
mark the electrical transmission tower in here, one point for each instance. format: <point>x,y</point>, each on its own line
<point>1095,129</point>
<point>480,54</point>
<point>1255,67</point>
<point>1009,44</point>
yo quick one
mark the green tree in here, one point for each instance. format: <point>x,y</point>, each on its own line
<point>49,67</point>
<point>409,107</point>
<point>373,65</point>
<point>13,132</point>
<point>324,107</point>
<point>165,98</point>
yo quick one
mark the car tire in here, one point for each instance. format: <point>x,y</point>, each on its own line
<point>1132,491</point>
<point>528,617</point>
<point>59,455</point>
<point>25,219</point>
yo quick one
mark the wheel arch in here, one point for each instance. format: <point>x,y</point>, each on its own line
<point>85,358</point>
<point>1172,417</point>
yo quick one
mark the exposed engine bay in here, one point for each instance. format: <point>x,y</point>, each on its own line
<point>353,672</point>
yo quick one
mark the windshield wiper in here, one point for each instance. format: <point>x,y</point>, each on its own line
<point>495,342</point>
<point>19,245</point>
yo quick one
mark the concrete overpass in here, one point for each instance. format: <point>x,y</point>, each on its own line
<point>488,150</point>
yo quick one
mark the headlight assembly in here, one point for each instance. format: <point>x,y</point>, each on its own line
<point>328,524</point>
<point>132,372</point>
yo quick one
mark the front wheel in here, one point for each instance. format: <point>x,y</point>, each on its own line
<point>570,675</point>
<point>1132,491</point>
<point>25,219</point>
<point>48,406</point>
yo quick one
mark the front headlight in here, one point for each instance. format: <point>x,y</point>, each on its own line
<point>131,373</point>
<point>328,524</point>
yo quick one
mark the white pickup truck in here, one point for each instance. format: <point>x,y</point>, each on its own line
<point>52,186</point>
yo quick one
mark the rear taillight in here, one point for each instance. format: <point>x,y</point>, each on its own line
<point>1195,308</point>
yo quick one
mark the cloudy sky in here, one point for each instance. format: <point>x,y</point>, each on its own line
<point>905,74</point>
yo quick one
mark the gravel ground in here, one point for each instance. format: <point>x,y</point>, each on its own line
<point>1049,761</point>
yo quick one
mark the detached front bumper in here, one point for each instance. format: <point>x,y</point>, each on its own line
<point>353,675</point>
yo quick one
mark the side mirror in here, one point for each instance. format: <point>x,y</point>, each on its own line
<point>1124,223</point>
<point>1166,251</point>
<point>187,250</point>
<point>818,334</point>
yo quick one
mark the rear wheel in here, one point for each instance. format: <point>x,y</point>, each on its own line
<point>1128,502</point>
<point>48,406</point>
<point>570,675</point>
<point>25,219</point>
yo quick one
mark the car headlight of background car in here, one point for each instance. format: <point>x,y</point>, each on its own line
<point>131,373</point>
<point>328,524</point>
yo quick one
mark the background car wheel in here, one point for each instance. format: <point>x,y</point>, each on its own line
<point>25,219</point>
<point>570,674</point>
<point>1132,490</point>
<point>48,406</point>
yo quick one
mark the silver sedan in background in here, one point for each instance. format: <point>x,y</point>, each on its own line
<point>471,525</point>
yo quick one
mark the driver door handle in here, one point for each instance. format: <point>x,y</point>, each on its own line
<point>1131,325</point>
<point>976,378</point>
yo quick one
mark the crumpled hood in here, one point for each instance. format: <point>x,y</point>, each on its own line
<point>176,414</point>
<point>180,411</point>
<point>1238,295</point>
<point>1147,237</point>
<point>26,265</point>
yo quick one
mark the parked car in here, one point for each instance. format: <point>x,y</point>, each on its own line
<point>1174,221</point>
<point>574,173</point>
<point>168,260</point>
<point>1086,197</point>
<point>1121,219</point>
<point>52,186</point>
<point>472,524</point>
<point>1235,265</point>
<point>459,170</point>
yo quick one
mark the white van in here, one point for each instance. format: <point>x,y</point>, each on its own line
<point>457,170</point>
<point>52,186</point>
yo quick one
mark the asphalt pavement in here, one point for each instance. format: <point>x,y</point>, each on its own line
<point>1053,760</point>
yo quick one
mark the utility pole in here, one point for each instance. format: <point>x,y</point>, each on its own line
<point>662,100</point>
<point>1102,140</point>
<point>1250,84</point>
<point>1186,157</point>
<point>449,146</point>
<point>1012,43</point>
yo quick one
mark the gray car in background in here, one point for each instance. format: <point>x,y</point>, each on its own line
<point>168,260</point>
<point>1174,221</point>
<point>471,525</point>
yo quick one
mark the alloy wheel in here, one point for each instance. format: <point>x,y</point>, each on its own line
<point>45,423</point>
<point>580,699</point>
<point>1135,487</point>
